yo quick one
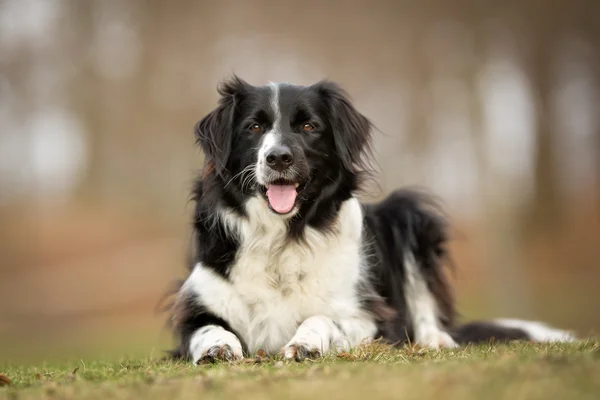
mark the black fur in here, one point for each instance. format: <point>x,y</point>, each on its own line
<point>212,245</point>
<point>403,223</point>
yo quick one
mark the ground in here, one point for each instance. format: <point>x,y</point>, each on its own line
<point>515,371</point>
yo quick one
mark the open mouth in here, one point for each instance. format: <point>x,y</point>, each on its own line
<point>281,195</point>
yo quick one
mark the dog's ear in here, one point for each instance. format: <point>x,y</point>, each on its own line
<point>351,129</point>
<point>214,132</point>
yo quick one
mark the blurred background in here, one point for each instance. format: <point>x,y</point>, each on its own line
<point>491,105</point>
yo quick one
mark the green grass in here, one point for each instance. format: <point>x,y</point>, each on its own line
<point>515,371</point>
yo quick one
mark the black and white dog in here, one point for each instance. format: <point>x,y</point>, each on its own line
<point>287,260</point>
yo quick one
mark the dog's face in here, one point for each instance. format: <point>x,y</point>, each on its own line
<point>285,143</point>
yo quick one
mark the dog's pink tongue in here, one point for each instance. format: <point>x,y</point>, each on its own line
<point>281,197</point>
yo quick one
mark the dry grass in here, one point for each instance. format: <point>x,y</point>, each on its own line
<point>516,371</point>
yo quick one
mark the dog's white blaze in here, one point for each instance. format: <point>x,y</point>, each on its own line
<point>211,335</point>
<point>275,285</point>
<point>423,309</point>
<point>270,138</point>
<point>537,331</point>
<point>275,104</point>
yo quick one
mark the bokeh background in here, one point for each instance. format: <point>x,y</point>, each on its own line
<point>494,106</point>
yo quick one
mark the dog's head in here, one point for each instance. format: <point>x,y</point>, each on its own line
<point>288,144</point>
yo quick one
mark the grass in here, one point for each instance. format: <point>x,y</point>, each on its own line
<point>515,371</point>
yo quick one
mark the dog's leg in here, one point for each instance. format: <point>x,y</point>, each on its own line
<point>203,314</point>
<point>423,309</point>
<point>319,334</point>
<point>202,335</point>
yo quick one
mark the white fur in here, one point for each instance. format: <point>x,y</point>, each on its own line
<point>538,331</point>
<point>275,285</point>
<point>423,309</point>
<point>210,336</point>
<point>269,140</point>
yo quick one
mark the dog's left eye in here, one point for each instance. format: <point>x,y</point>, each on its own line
<point>307,127</point>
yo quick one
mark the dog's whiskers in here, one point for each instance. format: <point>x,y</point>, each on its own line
<point>249,168</point>
<point>248,179</point>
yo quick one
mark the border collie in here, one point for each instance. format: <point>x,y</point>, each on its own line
<point>288,261</point>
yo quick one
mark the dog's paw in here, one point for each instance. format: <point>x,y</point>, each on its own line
<point>220,353</point>
<point>213,343</point>
<point>295,351</point>
<point>435,340</point>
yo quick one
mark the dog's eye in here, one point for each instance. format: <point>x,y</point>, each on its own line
<point>307,127</point>
<point>256,128</point>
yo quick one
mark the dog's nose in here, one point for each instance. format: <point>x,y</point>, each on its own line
<point>280,158</point>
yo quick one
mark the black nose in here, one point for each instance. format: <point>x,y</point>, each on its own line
<point>280,158</point>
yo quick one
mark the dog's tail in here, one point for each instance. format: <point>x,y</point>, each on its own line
<point>504,330</point>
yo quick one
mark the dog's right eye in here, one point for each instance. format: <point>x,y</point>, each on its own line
<point>256,128</point>
<point>307,127</point>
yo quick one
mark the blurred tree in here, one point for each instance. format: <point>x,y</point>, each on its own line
<point>544,29</point>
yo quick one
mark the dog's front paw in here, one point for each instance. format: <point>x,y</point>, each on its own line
<point>435,339</point>
<point>300,351</point>
<point>220,353</point>
<point>213,343</point>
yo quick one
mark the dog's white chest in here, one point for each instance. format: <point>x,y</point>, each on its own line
<point>278,283</point>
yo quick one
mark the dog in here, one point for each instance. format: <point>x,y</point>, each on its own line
<point>287,260</point>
